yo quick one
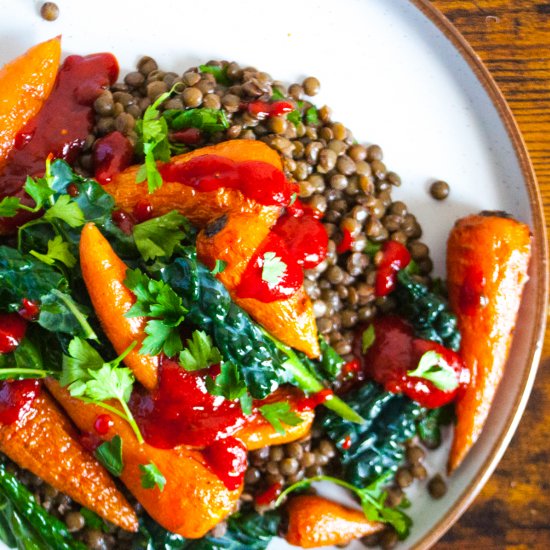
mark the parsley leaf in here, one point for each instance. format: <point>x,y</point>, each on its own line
<point>160,236</point>
<point>9,207</point>
<point>367,338</point>
<point>204,119</point>
<point>295,117</point>
<point>200,353</point>
<point>40,189</point>
<point>220,73</point>
<point>433,367</point>
<point>276,413</point>
<point>156,299</point>
<point>219,267</point>
<point>372,500</point>
<point>151,476</point>
<point>59,250</point>
<point>228,383</point>
<point>66,210</point>
<point>91,379</point>
<point>312,116</point>
<point>109,453</point>
<point>273,268</point>
<point>276,94</point>
<point>152,132</point>
<point>371,248</point>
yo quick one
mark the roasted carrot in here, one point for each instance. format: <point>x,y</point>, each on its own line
<point>487,261</point>
<point>314,521</point>
<point>193,500</point>
<point>44,442</point>
<point>199,207</point>
<point>104,273</point>
<point>26,82</point>
<point>234,241</point>
<point>258,432</point>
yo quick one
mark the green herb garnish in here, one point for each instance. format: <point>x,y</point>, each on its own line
<point>295,117</point>
<point>433,367</point>
<point>220,73</point>
<point>219,267</point>
<point>367,338</point>
<point>228,383</point>
<point>312,116</point>
<point>109,453</point>
<point>58,250</point>
<point>273,268</point>
<point>200,352</point>
<point>278,413</point>
<point>151,477</point>
<point>205,120</point>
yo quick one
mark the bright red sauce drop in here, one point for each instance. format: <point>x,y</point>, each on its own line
<point>29,310</point>
<point>16,399</point>
<point>228,459</point>
<point>112,154</point>
<point>395,257</point>
<point>470,296</point>
<point>12,331</point>
<point>182,412</point>
<point>346,443</point>
<point>262,109</point>
<point>103,423</point>
<point>253,283</point>
<point>396,350</point>
<point>60,127</point>
<point>256,180</point>
<point>304,237</point>
<point>345,244</point>
<point>269,495</point>
<point>314,400</point>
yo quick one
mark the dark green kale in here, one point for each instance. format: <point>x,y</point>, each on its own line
<point>24,524</point>
<point>426,311</point>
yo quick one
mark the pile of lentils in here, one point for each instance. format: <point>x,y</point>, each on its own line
<point>348,182</point>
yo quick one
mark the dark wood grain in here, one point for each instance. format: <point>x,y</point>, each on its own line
<point>512,37</point>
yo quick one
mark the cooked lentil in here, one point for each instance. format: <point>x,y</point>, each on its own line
<point>437,486</point>
<point>440,190</point>
<point>49,11</point>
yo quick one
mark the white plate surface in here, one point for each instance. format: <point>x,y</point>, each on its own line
<point>388,73</point>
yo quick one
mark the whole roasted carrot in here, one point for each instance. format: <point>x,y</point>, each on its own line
<point>290,320</point>
<point>193,500</point>
<point>314,521</point>
<point>44,442</point>
<point>204,206</point>
<point>26,82</point>
<point>487,260</point>
<point>104,273</point>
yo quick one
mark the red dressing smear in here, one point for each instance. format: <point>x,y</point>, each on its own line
<point>262,109</point>
<point>112,154</point>
<point>346,443</point>
<point>62,124</point>
<point>256,180</point>
<point>470,297</point>
<point>29,310</point>
<point>228,459</point>
<point>345,244</point>
<point>269,495</point>
<point>314,400</point>
<point>254,285</point>
<point>395,257</point>
<point>395,351</point>
<point>12,331</point>
<point>16,399</point>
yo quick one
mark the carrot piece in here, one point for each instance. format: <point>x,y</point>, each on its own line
<point>198,206</point>
<point>26,82</point>
<point>258,432</point>
<point>487,261</point>
<point>45,443</point>
<point>104,273</point>
<point>193,500</point>
<point>314,521</point>
<point>292,320</point>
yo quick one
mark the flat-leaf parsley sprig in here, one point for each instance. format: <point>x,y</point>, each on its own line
<point>157,300</point>
<point>88,377</point>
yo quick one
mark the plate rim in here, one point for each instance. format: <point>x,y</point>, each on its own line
<point>539,264</point>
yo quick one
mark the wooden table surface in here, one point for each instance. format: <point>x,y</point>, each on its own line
<point>512,37</point>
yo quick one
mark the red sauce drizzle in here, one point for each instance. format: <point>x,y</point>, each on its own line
<point>103,423</point>
<point>346,444</point>
<point>470,296</point>
<point>269,495</point>
<point>112,154</point>
<point>12,331</point>
<point>252,283</point>
<point>228,459</point>
<point>314,400</point>
<point>395,257</point>
<point>396,350</point>
<point>345,244</point>
<point>16,399</point>
<point>262,109</point>
<point>60,127</point>
<point>256,180</point>
<point>182,412</point>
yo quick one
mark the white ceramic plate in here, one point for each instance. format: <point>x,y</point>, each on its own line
<point>396,74</point>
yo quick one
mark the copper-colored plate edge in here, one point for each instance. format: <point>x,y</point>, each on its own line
<point>540,266</point>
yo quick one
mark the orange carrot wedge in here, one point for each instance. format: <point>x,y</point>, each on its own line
<point>45,443</point>
<point>258,432</point>
<point>487,261</point>
<point>199,207</point>
<point>234,241</point>
<point>193,500</point>
<point>104,273</point>
<point>26,82</point>
<point>315,521</point>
